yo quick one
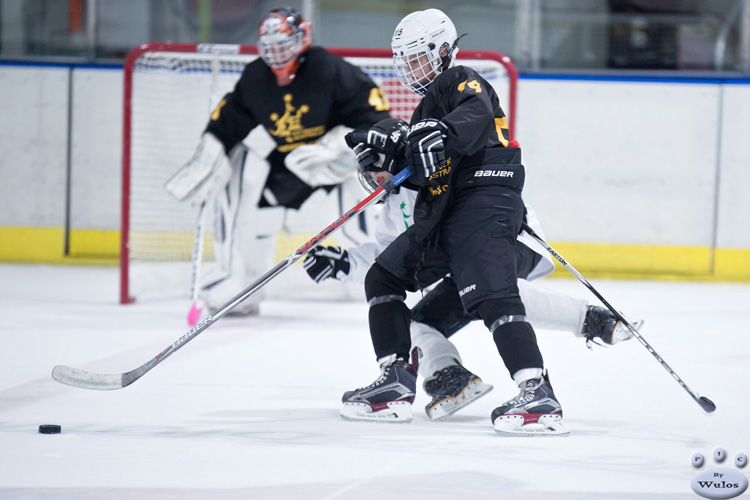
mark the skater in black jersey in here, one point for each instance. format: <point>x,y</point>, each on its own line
<point>468,215</point>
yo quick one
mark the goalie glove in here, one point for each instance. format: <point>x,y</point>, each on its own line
<point>425,150</point>
<point>324,163</point>
<point>327,262</point>
<point>201,178</point>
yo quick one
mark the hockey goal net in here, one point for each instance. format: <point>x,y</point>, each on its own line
<point>169,91</point>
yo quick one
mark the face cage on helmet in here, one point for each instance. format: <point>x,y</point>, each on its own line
<point>417,71</point>
<point>371,180</point>
<point>278,49</point>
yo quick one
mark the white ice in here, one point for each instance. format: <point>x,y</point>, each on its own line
<point>249,408</point>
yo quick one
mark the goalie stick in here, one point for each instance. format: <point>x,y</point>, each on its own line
<point>195,311</point>
<point>705,403</point>
<point>109,381</point>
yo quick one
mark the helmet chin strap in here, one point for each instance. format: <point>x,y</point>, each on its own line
<point>446,60</point>
<point>285,75</point>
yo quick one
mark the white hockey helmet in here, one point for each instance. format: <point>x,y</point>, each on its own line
<point>282,37</point>
<point>424,44</point>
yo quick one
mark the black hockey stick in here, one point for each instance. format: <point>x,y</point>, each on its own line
<point>107,381</point>
<point>705,403</point>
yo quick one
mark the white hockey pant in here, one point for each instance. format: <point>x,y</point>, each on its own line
<point>550,310</point>
<point>437,351</point>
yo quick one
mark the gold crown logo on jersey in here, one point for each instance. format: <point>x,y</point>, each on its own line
<point>289,125</point>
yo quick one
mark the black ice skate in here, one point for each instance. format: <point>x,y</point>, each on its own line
<point>601,326</point>
<point>534,412</point>
<point>451,389</point>
<point>388,399</point>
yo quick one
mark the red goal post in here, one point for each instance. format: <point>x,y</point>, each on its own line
<point>169,89</point>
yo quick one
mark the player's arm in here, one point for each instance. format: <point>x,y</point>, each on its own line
<point>474,112</point>
<point>379,151</point>
<point>209,170</point>
<point>351,265</point>
<point>232,118</point>
<point>463,130</point>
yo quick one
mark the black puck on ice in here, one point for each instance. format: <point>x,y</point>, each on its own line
<point>50,429</point>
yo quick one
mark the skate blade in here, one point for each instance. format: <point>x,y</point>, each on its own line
<point>396,412</point>
<point>546,425</point>
<point>448,406</point>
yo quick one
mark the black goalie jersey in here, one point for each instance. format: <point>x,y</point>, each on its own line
<point>326,92</point>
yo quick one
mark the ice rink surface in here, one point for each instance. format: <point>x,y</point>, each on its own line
<point>249,408</point>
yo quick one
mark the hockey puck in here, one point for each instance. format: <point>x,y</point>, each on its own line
<point>50,429</point>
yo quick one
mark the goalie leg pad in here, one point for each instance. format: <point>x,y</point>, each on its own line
<point>244,235</point>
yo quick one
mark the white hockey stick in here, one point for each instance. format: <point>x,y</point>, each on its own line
<point>705,403</point>
<point>108,381</point>
<point>195,311</point>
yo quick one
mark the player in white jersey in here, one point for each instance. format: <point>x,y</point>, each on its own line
<point>450,385</point>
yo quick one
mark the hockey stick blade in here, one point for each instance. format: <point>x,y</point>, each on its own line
<point>88,380</point>
<point>706,404</point>
<point>108,381</point>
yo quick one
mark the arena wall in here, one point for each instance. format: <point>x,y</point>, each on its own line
<point>631,177</point>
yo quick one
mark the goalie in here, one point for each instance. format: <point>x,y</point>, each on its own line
<point>305,100</point>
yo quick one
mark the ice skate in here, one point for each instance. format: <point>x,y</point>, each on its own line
<point>534,412</point>
<point>451,389</point>
<point>602,327</point>
<point>388,399</point>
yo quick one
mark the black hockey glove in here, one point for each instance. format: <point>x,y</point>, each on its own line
<point>326,262</point>
<point>425,150</point>
<point>387,137</point>
<point>367,157</point>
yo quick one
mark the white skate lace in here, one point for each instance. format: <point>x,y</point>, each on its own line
<point>384,371</point>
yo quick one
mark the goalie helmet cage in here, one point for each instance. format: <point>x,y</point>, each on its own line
<point>169,91</point>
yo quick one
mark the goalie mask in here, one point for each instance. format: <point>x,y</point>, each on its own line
<point>424,44</point>
<point>387,138</point>
<point>283,37</point>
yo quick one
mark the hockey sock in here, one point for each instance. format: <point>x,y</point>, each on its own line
<point>389,317</point>
<point>514,337</point>
<point>516,343</point>
<point>389,329</point>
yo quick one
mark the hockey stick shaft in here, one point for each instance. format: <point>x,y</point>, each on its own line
<point>102,381</point>
<point>195,312</point>
<point>197,253</point>
<point>705,403</point>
